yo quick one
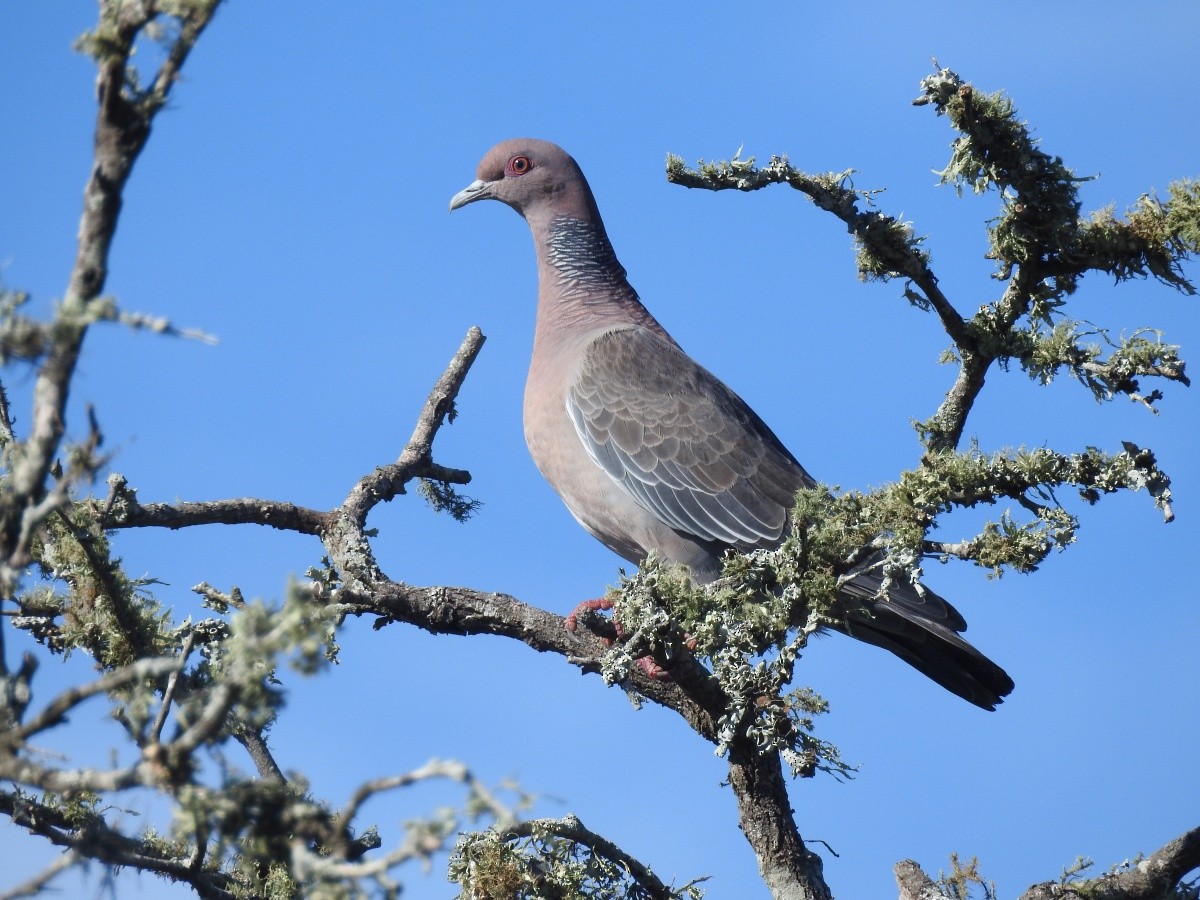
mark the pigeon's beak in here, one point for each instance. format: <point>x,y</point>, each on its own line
<point>476,190</point>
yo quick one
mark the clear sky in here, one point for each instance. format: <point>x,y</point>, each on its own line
<point>292,201</point>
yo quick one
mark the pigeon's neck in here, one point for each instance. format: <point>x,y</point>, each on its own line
<point>582,260</point>
<point>581,282</point>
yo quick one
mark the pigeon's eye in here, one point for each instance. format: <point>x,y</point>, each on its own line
<point>519,165</point>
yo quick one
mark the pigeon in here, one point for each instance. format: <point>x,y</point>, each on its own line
<point>652,452</point>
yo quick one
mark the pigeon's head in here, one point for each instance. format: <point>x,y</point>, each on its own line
<point>536,178</point>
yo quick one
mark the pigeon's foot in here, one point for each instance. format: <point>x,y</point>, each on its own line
<point>649,667</point>
<point>652,670</point>
<point>571,623</point>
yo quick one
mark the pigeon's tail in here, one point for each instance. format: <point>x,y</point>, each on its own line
<point>934,650</point>
<point>920,627</point>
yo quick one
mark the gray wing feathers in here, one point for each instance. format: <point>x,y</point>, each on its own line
<point>687,448</point>
<point>694,455</point>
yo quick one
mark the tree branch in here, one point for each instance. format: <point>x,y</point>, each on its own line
<point>914,884</point>
<point>55,711</point>
<point>122,128</point>
<point>256,745</point>
<point>464,611</point>
<point>93,838</point>
<point>339,857</point>
<point>381,485</point>
<point>416,459</point>
<point>887,246</point>
<point>169,692</point>
<point>241,511</point>
<point>1152,878</point>
<point>571,829</point>
<point>788,868</point>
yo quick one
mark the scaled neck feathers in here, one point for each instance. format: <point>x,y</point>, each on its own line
<point>582,273</point>
<point>582,259</point>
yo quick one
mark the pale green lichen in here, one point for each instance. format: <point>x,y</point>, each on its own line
<point>443,497</point>
<point>495,865</point>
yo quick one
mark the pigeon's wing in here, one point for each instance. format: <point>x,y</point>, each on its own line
<point>693,454</point>
<point>686,447</point>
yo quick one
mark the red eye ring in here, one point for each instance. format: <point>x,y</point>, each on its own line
<point>518,165</point>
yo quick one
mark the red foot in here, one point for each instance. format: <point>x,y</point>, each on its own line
<point>572,621</point>
<point>646,663</point>
<point>652,669</point>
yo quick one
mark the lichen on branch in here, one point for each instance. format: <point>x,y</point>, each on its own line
<point>1041,244</point>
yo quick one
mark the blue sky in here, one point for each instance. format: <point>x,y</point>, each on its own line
<point>292,202</point>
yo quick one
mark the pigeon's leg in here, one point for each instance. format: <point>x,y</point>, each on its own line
<point>572,621</point>
<point>645,663</point>
<point>651,669</point>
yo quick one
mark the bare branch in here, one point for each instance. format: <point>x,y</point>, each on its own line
<point>55,711</point>
<point>455,610</point>
<point>914,883</point>
<point>343,862</point>
<point>381,485</point>
<point>787,866</point>
<point>435,768</point>
<point>243,511</point>
<point>73,781</point>
<point>172,681</point>
<point>416,459</point>
<point>260,753</point>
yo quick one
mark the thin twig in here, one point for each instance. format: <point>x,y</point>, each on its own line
<point>415,460</point>
<point>435,768</point>
<point>828,193</point>
<point>56,710</point>
<point>172,680</point>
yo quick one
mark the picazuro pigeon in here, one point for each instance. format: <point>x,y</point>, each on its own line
<point>648,449</point>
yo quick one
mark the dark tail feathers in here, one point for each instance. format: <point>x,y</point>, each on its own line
<point>933,650</point>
